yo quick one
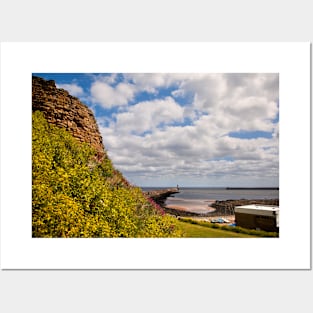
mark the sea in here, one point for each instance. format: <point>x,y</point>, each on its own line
<point>199,199</point>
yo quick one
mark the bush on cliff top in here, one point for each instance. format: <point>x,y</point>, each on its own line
<point>73,195</point>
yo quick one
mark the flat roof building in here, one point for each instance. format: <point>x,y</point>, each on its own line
<point>260,217</point>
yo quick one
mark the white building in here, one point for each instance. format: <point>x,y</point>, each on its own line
<point>255,216</point>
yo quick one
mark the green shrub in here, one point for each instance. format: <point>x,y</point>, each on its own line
<point>73,195</point>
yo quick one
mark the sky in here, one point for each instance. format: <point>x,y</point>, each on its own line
<point>190,129</point>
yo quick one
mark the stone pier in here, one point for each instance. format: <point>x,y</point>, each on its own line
<point>159,196</point>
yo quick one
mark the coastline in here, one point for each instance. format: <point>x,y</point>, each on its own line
<point>194,207</point>
<point>207,209</point>
<point>209,216</point>
<point>187,211</point>
<point>216,208</point>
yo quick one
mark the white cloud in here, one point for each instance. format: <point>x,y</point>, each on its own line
<point>150,142</point>
<point>73,89</point>
<point>149,82</point>
<point>107,96</point>
<point>188,152</point>
<point>147,115</point>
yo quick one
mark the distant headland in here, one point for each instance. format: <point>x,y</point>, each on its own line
<point>252,188</point>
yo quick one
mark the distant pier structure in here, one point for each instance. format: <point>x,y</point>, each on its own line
<point>252,188</point>
<point>160,195</point>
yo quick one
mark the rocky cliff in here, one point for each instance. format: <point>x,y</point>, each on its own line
<point>64,110</point>
<point>228,206</point>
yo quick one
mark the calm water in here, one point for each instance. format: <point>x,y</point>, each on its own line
<point>221,194</point>
<point>198,199</point>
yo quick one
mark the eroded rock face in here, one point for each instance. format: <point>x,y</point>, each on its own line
<point>64,110</point>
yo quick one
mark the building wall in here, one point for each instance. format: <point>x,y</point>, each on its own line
<point>252,221</point>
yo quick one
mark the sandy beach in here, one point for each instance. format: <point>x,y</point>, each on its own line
<point>195,208</point>
<point>200,208</point>
<point>203,210</point>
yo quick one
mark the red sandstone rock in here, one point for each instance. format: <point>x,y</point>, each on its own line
<point>66,111</point>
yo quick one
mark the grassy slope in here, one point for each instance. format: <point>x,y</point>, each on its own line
<point>197,231</point>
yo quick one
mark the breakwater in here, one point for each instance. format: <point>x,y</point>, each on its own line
<point>252,188</point>
<point>159,196</point>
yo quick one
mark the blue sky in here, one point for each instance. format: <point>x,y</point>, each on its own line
<point>164,129</point>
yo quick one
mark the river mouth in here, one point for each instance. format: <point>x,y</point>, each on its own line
<point>194,206</point>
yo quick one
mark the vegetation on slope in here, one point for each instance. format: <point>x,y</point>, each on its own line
<point>74,195</point>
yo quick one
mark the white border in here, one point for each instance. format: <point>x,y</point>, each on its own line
<point>20,251</point>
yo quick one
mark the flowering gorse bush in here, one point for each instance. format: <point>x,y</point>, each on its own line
<point>75,196</point>
<point>155,205</point>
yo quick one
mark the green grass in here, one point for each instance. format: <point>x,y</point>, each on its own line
<point>237,229</point>
<point>198,231</point>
